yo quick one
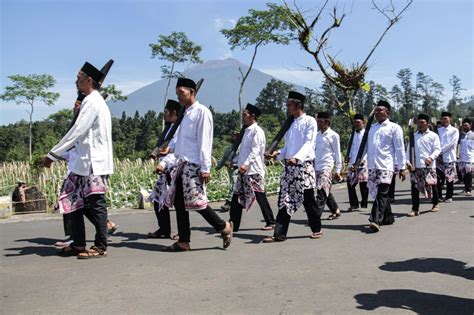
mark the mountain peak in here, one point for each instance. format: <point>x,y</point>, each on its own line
<point>217,63</point>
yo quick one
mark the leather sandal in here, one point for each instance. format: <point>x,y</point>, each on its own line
<point>175,247</point>
<point>227,236</point>
<point>93,252</point>
<point>316,235</point>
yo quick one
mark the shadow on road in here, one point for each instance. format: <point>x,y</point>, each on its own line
<point>131,236</point>
<point>39,240</point>
<point>363,228</point>
<point>445,266</point>
<point>418,302</point>
<point>42,251</point>
<point>252,238</point>
<point>137,245</point>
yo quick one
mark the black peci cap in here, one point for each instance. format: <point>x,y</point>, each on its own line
<point>92,72</point>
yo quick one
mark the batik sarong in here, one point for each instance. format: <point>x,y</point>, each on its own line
<point>294,180</point>
<point>77,188</point>
<point>377,177</point>
<point>245,187</point>
<point>194,192</point>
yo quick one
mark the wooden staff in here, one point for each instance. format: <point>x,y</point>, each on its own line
<point>280,135</point>
<point>363,144</point>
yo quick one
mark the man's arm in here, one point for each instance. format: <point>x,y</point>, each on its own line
<point>86,118</point>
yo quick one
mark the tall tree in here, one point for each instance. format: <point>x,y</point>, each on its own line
<point>347,79</point>
<point>31,90</point>
<point>429,94</point>
<point>175,48</point>
<point>272,98</point>
<point>405,95</point>
<point>456,98</point>
<point>112,94</point>
<point>259,28</point>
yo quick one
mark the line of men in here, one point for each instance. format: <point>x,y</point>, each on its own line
<point>311,152</point>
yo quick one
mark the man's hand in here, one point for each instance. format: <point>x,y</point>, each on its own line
<point>243,169</point>
<point>159,169</point>
<point>292,162</point>
<point>205,177</point>
<point>410,167</point>
<point>47,162</point>
<point>164,151</point>
<point>428,161</point>
<point>401,175</point>
<point>271,155</point>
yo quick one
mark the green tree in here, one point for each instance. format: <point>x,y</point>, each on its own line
<point>31,90</point>
<point>347,79</point>
<point>405,95</point>
<point>272,98</point>
<point>456,99</point>
<point>259,28</point>
<point>111,93</point>
<point>175,48</point>
<point>429,94</point>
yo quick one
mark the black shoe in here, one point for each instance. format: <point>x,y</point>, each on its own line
<point>158,234</point>
<point>225,207</point>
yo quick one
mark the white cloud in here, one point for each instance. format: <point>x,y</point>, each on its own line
<point>220,23</point>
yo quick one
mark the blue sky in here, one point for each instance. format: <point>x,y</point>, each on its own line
<point>56,37</point>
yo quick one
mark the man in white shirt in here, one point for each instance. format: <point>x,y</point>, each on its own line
<point>327,153</point>
<point>446,168</point>
<point>385,156</point>
<point>466,164</point>
<point>250,181</point>
<point>85,188</point>
<point>164,168</point>
<point>298,179</point>
<point>423,173</point>
<point>363,175</point>
<point>193,150</point>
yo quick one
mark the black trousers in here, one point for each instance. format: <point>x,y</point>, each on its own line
<point>449,185</point>
<point>95,209</point>
<point>331,203</point>
<point>415,197</point>
<point>391,191</point>
<point>459,173</point>
<point>312,211</point>
<point>381,209</point>
<point>67,222</point>
<point>163,217</point>
<point>467,179</point>
<point>236,210</point>
<point>182,215</point>
<point>364,194</point>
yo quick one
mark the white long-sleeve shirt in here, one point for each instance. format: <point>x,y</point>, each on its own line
<point>170,159</point>
<point>385,147</point>
<point>448,137</point>
<point>300,140</point>
<point>327,151</point>
<point>467,148</point>
<point>71,157</point>
<point>427,145</point>
<point>252,149</point>
<point>356,141</point>
<point>91,134</point>
<point>194,137</point>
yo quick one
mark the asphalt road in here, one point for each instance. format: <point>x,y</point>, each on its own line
<point>416,265</point>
